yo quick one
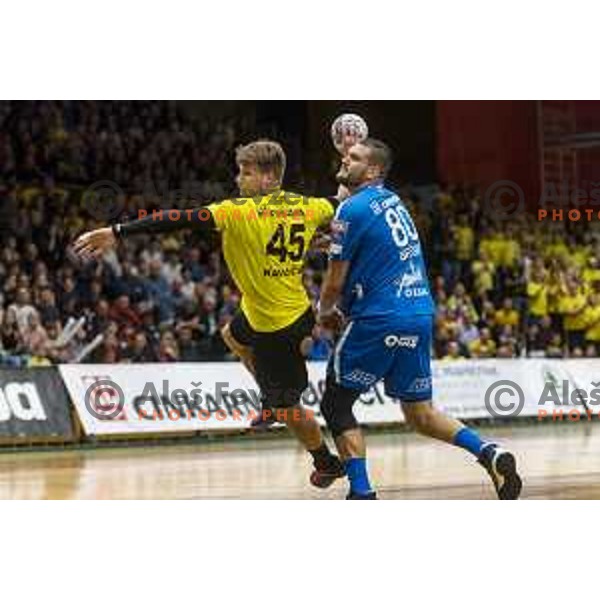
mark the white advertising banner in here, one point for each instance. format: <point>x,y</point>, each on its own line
<point>540,388</point>
<point>460,388</point>
<point>161,398</point>
<point>178,397</point>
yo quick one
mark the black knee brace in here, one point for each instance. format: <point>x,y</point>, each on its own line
<point>336,407</point>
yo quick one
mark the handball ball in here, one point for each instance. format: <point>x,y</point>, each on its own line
<point>348,124</point>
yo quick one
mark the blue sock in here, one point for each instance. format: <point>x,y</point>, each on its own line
<point>469,439</point>
<point>356,469</point>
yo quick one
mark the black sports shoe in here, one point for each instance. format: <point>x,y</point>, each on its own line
<point>325,476</point>
<point>261,421</point>
<point>502,468</point>
<point>369,496</point>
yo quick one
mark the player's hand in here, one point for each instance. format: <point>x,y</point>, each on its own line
<point>332,320</point>
<point>94,243</point>
<point>349,138</point>
<point>321,241</point>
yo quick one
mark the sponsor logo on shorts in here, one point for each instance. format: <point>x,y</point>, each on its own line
<point>361,377</point>
<point>420,384</point>
<point>407,341</point>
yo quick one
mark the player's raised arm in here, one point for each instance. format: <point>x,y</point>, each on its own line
<point>96,242</point>
<point>348,129</point>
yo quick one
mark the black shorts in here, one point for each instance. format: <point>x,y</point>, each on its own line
<point>280,366</point>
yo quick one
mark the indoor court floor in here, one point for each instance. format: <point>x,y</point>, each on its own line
<point>559,460</point>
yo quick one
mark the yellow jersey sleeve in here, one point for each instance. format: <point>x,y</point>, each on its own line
<point>323,210</point>
<point>224,212</point>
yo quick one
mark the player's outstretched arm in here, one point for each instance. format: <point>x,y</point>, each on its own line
<point>98,241</point>
<point>329,316</point>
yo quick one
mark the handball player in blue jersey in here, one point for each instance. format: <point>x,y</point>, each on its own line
<point>376,294</point>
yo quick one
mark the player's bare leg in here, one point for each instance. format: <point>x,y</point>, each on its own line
<point>499,463</point>
<point>428,421</point>
<point>302,424</point>
<point>244,353</point>
<point>351,444</point>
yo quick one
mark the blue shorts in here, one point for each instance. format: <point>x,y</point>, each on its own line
<point>397,352</point>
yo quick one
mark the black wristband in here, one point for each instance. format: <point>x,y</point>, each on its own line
<point>165,221</point>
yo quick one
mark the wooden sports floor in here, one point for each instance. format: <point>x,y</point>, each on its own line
<point>556,460</point>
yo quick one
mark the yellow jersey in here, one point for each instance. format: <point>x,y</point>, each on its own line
<point>538,298</point>
<point>572,308</point>
<point>484,276</point>
<point>592,323</point>
<point>579,256</point>
<point>494,248</point>
<point>481,349</point>
<point>590,276</point>
<point>507,317</point>
<point>450,358</point>
<point>511,252</point>
<point>265,240</point>
<point>465,243</point>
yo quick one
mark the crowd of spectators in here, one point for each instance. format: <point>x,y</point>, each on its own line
<point>503,288</point>
<point>155,299</point>
<point>132,143</point>
<point>512,286</point>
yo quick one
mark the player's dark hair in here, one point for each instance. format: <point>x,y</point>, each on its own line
<point>266,155</point>
<point>381,155</point>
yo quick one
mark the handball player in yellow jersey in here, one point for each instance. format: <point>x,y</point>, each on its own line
<point>265,236</point>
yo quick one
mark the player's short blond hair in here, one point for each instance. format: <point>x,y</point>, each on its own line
<point>267,156</point>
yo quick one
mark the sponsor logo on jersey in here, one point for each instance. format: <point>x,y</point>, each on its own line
<point>284,272</point>
<point>379,205</point>
<point>408,280</point>
<point>412,251</point>
<point>416,292</point>
<point>374,206</point>
<point>407,341</point>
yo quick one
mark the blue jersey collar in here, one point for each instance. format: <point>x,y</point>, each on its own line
<point>377,183</point>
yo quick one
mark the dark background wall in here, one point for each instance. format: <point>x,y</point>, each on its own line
<point>587,113</point>
<point>481,142</point>
<point>474,142</point>
<point>407,126</point>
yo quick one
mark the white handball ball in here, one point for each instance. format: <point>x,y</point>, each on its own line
<point>348,125</point>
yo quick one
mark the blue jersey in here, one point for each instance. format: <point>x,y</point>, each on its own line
<point>374,231</point>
